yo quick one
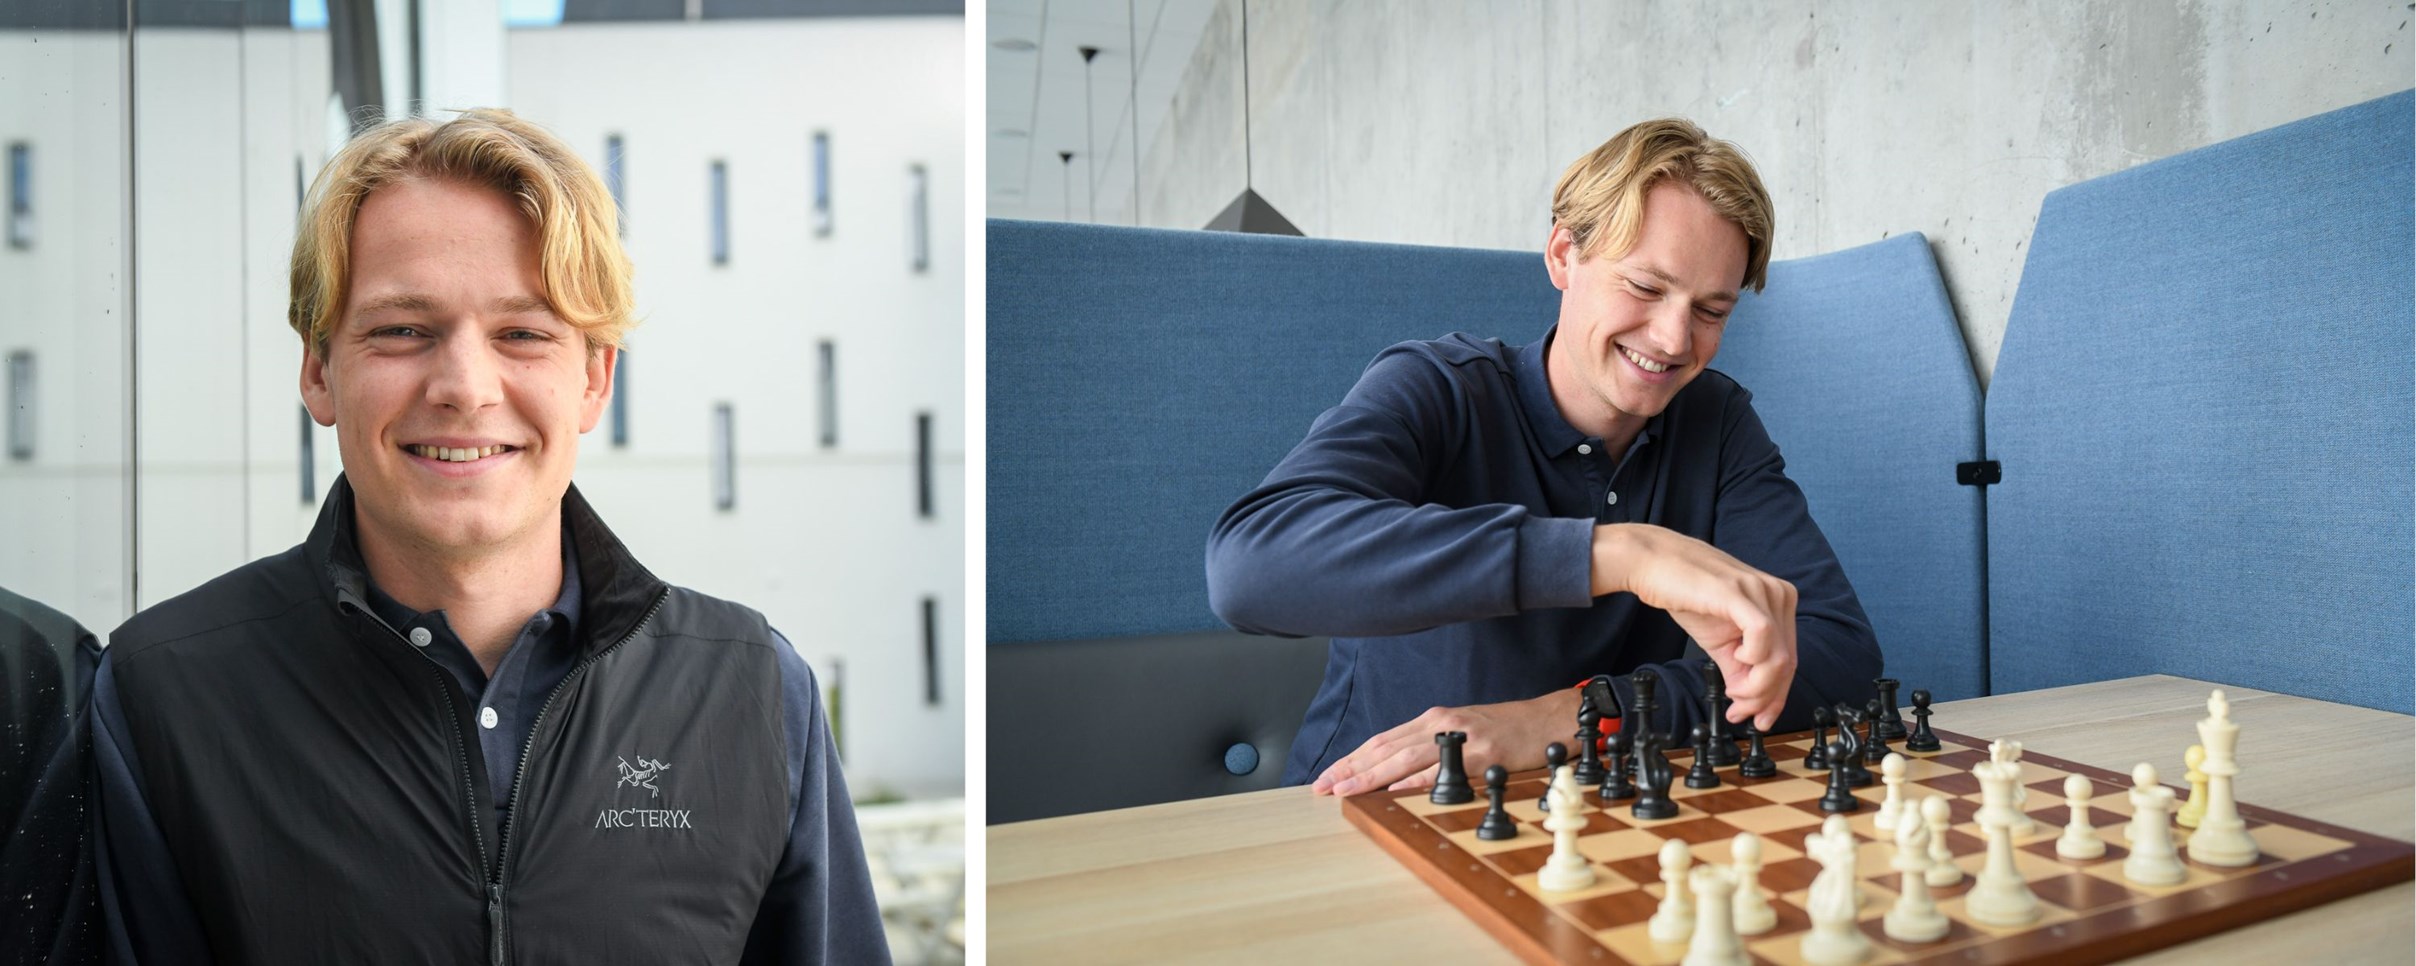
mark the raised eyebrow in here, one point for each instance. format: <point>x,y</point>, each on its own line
<point>1668,279</point>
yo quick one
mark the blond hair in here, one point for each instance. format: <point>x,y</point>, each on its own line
<point>584,271</point>
<point>1600,199</point>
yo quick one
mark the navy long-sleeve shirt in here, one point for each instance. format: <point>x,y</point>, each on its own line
<point>1439,525</point>
<point>818,907</point>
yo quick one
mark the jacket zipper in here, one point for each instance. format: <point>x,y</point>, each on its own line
<point>511,813</point>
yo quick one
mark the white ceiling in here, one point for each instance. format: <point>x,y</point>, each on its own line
<point>1036,100</point>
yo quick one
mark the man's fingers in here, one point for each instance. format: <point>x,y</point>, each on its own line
<point>1402,764</point>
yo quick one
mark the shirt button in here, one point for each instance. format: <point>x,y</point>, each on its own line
<point>1614,498</point>
<point>486,717</point>
<point>420,636</point>
<point>1584,450</point>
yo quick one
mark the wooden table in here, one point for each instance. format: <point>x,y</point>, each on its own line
<point>1279,877</point>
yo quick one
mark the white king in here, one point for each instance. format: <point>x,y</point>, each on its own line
<point>2222,838</point>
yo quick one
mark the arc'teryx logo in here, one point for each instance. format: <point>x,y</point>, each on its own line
<point>642,775</point>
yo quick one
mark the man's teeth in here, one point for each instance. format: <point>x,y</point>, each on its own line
<point>1643,363</point>
<point>456,455</point>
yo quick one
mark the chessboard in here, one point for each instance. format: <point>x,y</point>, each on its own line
<point>2092,914</point>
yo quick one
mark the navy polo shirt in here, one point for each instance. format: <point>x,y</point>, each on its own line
<point>1438,525</point>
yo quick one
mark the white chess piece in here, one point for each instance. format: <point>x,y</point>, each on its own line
<point>1675,919</point>
<point>1999,896</point>
<point>2017,801</point>
<point>1715,941</point>
<point>1914,918</point>
<point>2080,839</point>
<point>1836,898</point>
<point>1891,808</point>
<point>1753,915</point>
<point>2153,860</point>
<point>2222,837</point>
<point>1566,870</point>
<point>2193,810</point>
<point>1942,868</point>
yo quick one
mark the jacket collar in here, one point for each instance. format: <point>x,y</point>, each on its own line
<point>616,590</point>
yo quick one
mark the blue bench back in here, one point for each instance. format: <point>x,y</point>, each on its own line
<point>1860,372</point>
<point>2203,408</point>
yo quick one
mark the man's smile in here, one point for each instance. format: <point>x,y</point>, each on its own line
<point>1641,361</point>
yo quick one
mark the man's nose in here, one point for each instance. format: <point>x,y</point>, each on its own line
<point>466,377</point>
<point>1670,334</point>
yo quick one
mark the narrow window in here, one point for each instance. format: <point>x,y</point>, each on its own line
<point>721,213</point>
<point>827,385</point>
<point>20,195</point>
<point>310,463</point>
<point>920,212</point>
<point>922,463</point>
<point>822,184</point>
<point>931,651</point>
<point>620,399</point>
<point>614,180</point>
<point>725,458</point>
<point>21,405</point>
<point>301,186</point>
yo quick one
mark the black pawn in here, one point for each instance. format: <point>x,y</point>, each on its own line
<point>1555,755</point>
<point>1652,793</point>
<point>1840,796</point>
<point>1615,784</point>
<point>1874,745</point>
<point>1818,757</point>
<point>1849,734</point>
<point>1715,693</point>
<point>1702,775</point>
<point>1451,777</point>
<point>1891,724</point>
<point>1922,739</point>
<point>1757,758</point>
<point>1497,824</point>
<point>1588,770</point>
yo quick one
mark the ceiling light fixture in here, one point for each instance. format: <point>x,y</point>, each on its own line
<point>1249,212</point>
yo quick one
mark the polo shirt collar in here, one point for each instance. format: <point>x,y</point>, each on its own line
<point>1535,397</point>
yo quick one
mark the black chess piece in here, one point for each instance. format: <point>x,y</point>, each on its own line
<point>1849,734</point>
<point>1757,762</point>
<point>1615,783</point>
<point>1715,693</point>
<point>1818,757</point>
<point>1555,755</point>
<point>1588,770</point>
<point>1646,686</point>
<point>1497,824</point>
<point>1652,793</point>
<point>1891,724</point>
<point>1702,775</point>
<point>1874,745</point>
<point>1922,739</point>
<point>1840,796</point>
<point>1451,776</point>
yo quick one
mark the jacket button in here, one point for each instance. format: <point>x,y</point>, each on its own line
<point>486,717</point>
<point>420,636</point>
<point>1614,501</point>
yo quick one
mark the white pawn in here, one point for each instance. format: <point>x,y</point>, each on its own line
<point>2153,860</point>
<point>1915,918</point>
<point>1891,808</point>
<point>1753,915</point>
<point>2080,839</point>
<point>1836,898</point>
<point>1675,919</point>
<point>1565,870</point>
<point>1716,942</point>
<point>1942,868</point>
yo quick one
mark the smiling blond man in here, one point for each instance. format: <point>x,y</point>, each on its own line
<point>460,722</point>
<point>1481,527</point>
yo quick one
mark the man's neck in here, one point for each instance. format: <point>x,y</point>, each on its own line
<point>1583,407</point>
<point>486,598</point>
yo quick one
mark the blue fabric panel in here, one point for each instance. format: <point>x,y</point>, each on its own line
<point>1141,380</point>
<point>2203,407</point>
<point>1860,372</point>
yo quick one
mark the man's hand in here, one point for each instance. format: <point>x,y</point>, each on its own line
<point>1743,618</point>
<point>1511,734</point>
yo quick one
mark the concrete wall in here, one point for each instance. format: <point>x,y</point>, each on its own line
<point>1449,125</point>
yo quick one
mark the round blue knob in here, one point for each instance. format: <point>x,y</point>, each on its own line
<point>1241,759</point>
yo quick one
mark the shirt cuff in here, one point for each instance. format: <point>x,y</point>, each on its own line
<point>1555,563</point>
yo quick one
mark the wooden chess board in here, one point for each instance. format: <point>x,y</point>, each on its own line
<point>2091,913</point>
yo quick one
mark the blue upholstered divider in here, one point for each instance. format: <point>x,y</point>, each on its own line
<point>1860,372</point>
<point>1140,380</point>
<point>2203,408</point>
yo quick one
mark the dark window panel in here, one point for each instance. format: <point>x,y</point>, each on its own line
<point>822,184</point>
<point>922,464</point>
<point>931,651</point>
<point>827,388</point>
<point>920,213</point>
<point>620,399</point>
<point>21,412</point>
<point>310,462</point>
<point>20,195</point>
<point>721,213</point>
<point>725,458</point>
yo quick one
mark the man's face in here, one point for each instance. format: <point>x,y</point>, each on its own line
<point>1636,329</point>
<point>457,395</point>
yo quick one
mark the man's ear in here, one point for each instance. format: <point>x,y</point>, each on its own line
<point>1560,256</point>
<point>317,394</point>
<point>601,364</point>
